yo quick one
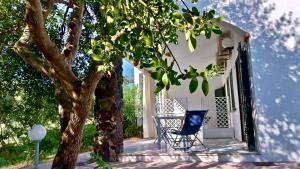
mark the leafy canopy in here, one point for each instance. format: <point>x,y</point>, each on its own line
<point>142,31</point>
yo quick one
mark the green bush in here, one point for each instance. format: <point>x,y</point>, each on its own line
<point>3,162</point>
<point>132,98</point>
<point>88,137</point>
<point>11,153</point>
<point>100,163</point>
<point>50,143</point>
<point>133,131</point>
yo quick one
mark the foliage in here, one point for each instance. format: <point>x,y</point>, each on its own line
<point>21,101</point>
<point>132,98</point>
<point>132,130</point>
<point>11,153</point>
<point>101,164</point>
<point>88,137</point>
<point>144,36</point>
<point>49,144</point>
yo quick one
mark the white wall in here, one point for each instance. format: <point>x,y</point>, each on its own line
<point>205,54</point>
<point>276,71</point>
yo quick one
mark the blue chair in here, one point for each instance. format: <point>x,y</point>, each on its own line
<point>192,123</point>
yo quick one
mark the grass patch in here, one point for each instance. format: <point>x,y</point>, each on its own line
<point>17,156</point>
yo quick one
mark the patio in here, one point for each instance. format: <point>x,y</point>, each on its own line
<point>136,150</point>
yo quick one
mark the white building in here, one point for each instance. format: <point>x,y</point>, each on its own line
<point>274,71</point>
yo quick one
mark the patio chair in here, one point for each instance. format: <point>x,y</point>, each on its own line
<point>192,123</point>
<point>163,132</point>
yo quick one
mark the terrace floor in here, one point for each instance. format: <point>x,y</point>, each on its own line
<point>136,150</point>
<point>145,146</point>
<point>143,153</point>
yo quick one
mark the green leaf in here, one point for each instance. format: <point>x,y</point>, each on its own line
<point>187,35</point>
<point>137,54</point>
<point>176,15</point>
<point>96,57</point>
<point>147,41</point>
<point>207,34</point>
<point>195,11</point>
<point>217,30</point>
<point>209,67</point>
<point>204,75</point>
<point>188,18</point>
<point>193,85</point>
<point>109,19</point>
<point>205,87</point>
<point>165,79</point>
<point>219,19</point>
<point>157,75</point>
<point>192,42</point>
<point>181,76</point>
<point>211,14</point>
<point>158,89</point>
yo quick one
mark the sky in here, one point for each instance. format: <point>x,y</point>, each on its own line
<point>127,69</point>
<point>283,6</point>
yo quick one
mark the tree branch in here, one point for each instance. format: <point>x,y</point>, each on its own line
<point>187,8</point>
<point>162,36</point>
<point>21,48</point>
<point>49,6</point>
<point>62,28</point>
<point>67,3</point>
<point>35,20</point>
<point>75,29</point>
<point>91,80</point>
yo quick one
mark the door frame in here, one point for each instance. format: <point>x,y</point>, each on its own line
<point>246,102</point>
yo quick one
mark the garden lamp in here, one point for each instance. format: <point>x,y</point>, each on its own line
<point>36,134</point>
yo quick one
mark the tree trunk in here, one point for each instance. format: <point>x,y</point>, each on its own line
<point>119,105</point>
<point>108,115</point>
<point>64,106</point>
<point>73,113</point>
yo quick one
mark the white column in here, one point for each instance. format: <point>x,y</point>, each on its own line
<point>138,81</point>
<point>148,106</point>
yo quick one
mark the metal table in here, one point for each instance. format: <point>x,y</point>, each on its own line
<point>163,128</point>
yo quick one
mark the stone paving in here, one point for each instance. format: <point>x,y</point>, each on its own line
<point>188,165</point>
<point>205,165</point>
<point>147,146</point>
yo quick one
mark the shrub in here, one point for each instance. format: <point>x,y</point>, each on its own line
<point>100,163</point>
<point>11,153</point>
<point>133,131</point>
<point>88,137</point>
<point>132,97</point>
<point>50,143</point>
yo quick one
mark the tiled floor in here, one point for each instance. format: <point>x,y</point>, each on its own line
<point>143,148</point>
<point>204,165</point>
<point>147,146</point>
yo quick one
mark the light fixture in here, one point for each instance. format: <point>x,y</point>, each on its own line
<point>227,43</point>
<point>36,134</point>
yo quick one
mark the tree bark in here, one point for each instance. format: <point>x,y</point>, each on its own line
<point>119,105</point>
<point>73,96</point>
<point>73,116</point>
<point>64,106</point>
<point>108,115</point>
